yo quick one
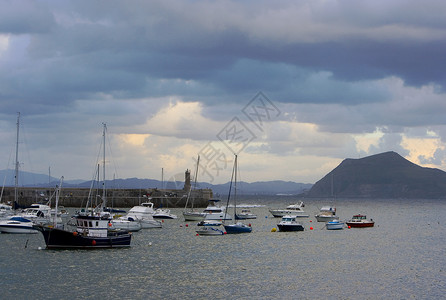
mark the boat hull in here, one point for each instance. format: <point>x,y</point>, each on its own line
<point>17,229</point>
<point>360,224</point>
<point>334,226</point>
<point>63,239</point>
<point>236,228</point>
<point>193,216</point>
<point>210,231</point>
<point>295,227</point>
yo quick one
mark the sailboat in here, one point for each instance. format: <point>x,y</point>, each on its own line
<point>191,214</point>
<point>93,229</point>
<point>236,227</point>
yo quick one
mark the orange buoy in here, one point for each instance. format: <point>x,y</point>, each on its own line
<point>75,233</point>
<point>311,228</point>
<point>187,225</point>
<point>93,242</point>
<point>197,234</point>
<point>349,227</point>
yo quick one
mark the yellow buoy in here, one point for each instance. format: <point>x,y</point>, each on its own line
<point>273,230</point>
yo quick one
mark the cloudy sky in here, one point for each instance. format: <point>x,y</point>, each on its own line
<point>293,87</point>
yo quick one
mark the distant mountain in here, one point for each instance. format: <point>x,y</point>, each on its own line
<point>27,179</point>
<point>385,175</point>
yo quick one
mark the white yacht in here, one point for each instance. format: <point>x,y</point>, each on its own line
<point>293,209</point>
<point>216,212</point>
<point>144,214</point>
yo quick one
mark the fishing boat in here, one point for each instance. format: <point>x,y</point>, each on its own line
<point>335,225</point>
<point>293,209</point>
<point>289,223</point>
<point>92,228</point>
<point>326,213</point>
<point>91,231</point>
<point>359,221</point>
<point>235,227</point>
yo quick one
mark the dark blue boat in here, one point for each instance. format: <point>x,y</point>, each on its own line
<point>91,232</point>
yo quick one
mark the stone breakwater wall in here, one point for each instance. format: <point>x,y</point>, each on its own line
<point>77,197</point>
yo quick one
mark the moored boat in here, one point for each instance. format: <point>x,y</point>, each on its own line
<point>163,213</point>
<point>289,223</point>
<point>143,213</point>
<point>335,225</point>
<point>245,215</point>
<point>293,209</point>
<point>210,231</point>
<point>17,224</point>
<point>326,213</point>
<point>359,221</point>
<point>91,232</point>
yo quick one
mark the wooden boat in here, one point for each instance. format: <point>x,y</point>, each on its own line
<point>359,221</point>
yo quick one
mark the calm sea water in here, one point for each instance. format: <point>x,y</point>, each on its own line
<point>402,257</point>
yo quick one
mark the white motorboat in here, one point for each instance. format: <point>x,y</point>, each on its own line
<point>245,215</point>
<point>289,223</point>
<point>326,213</point>
<point>17,224</point>
<point>193,216</point>
<point>163,213</point>
<point>210,231</point>
<point>216,212</point>
<point>293,209</point>
<point>335,225</point>
<point>126,223</point>
<point>38,214</point>
<point>144,214</point>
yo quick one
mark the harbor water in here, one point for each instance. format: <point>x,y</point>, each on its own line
<point>402,257</point>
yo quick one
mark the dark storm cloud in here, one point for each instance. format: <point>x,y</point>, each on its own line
<point>122,49</point>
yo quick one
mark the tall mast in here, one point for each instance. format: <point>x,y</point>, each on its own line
<point>104,193</point>
<point>16,176</point>
<point>235,187</point>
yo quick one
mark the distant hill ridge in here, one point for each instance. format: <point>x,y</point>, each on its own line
<point>384,175</point>
<point>27,179</point>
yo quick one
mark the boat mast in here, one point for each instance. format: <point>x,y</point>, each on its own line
<point>104,192</point>
<point>230,188</point>
<point>235,187</point>
<point>16,175</point>
<point>57,202</point>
